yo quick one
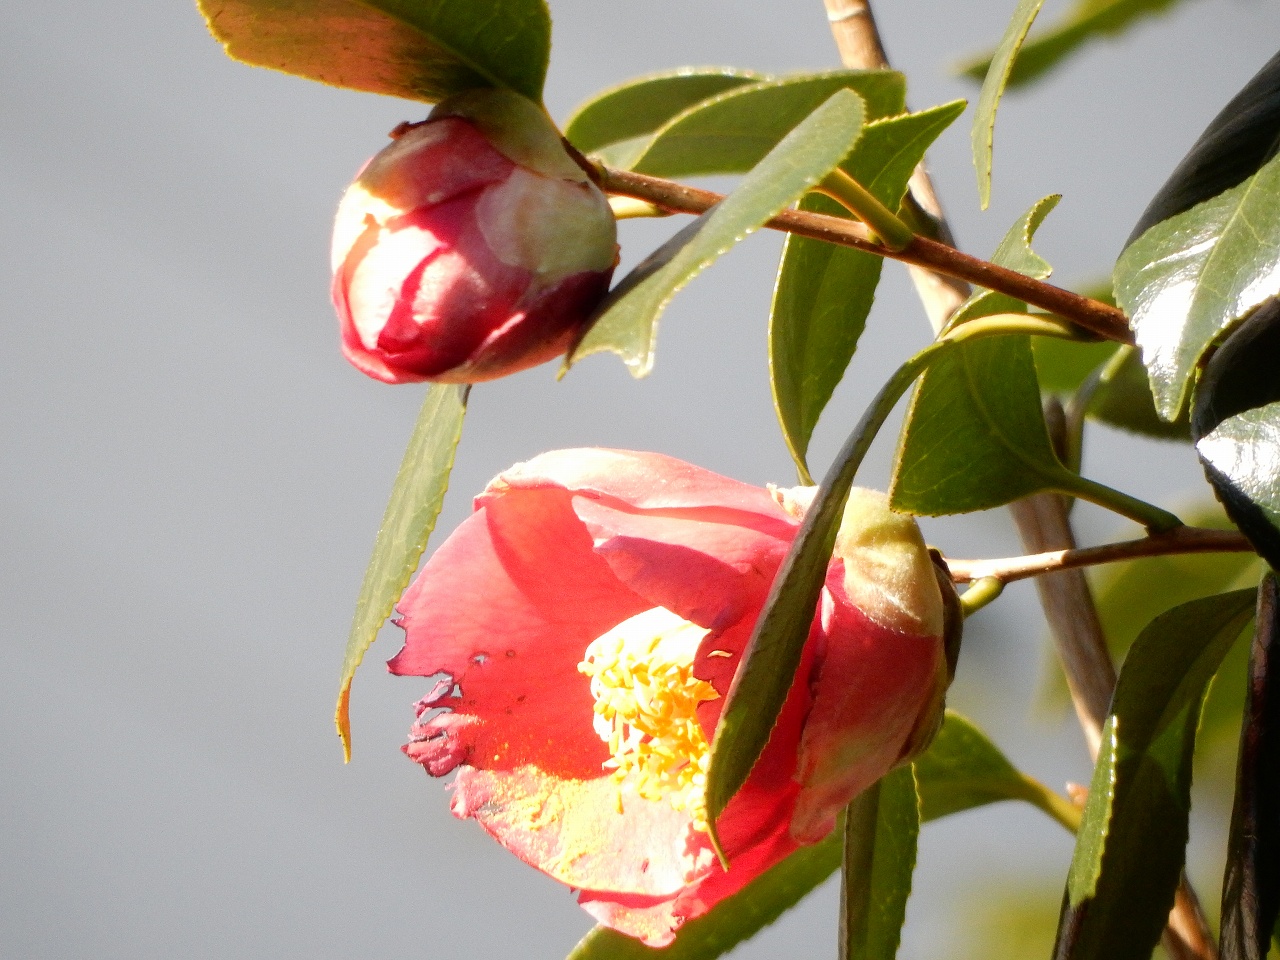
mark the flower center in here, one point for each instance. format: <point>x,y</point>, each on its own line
<point>646,708</point>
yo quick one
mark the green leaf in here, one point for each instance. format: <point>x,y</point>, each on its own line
<point>1242,457</point>
<point>1237,142</point>
<point>1188,278</point>
<point>732,132</point>
<point>416,49</point>
<point>733,919</point>
<point>1131,846</point>
<point>627,322</point>
<point>962,769</point>
<point>824,292</point>
<point>1085,21</point>
<point>617,123</point>
<point>1063,365</point>
<point>984,120</point>
<point>1251,884</point>
<point>1125,401</point>
<point>974,435</point>
<point>408,521</point>
<point>882,826</point>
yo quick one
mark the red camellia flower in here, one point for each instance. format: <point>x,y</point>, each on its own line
<point>586,622</point>
<point>471,247</point>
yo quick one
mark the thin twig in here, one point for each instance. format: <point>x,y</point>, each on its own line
<point>854,28</point>
<point>1044,526</point>
<point>1177,541</point>
<point>1096,317</point>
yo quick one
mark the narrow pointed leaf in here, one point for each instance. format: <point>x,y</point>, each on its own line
<point>824,292</point>
<point>732,132</point>
<point>1086,20</point>
<point>982,400</point>
<point>961,770</point>
<point>1131,846</point>
<point>1190,277</point>
<point>627,323</point>
<point>882,826</point>
<point>617,124</point>
<point>984,120</point>
<point>410,517</point>
<point>1251,885</point>
<point>416,49</point>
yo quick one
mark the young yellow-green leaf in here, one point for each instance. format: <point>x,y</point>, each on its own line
<point>617,124</point>
<point>824,292</point>
<point>1085,21</point>
<point>627,322</point>
<point>732,132</point>
<point>416,49</point>
<point>1190,277</point>
<point>984,119</point>
<point>1251,884</point>
<point>974,435</point>
<point>408,521</point>
<point>882,825</point>
<point>1131,846</point>
<point>961,770</point>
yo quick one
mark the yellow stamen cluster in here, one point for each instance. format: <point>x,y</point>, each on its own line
<point>646,708</point>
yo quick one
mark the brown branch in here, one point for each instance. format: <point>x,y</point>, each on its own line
<point>854,28</point>
<point>1180,540</point>
<point>1098,318</point>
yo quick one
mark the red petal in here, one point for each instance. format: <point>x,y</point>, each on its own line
<point>507,607</point>
<point>872,684</point>
<point>645,481</point>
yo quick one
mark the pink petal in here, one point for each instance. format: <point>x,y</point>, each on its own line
<point>872,685</point>
<point>506,607</point>
<point>645,481</point>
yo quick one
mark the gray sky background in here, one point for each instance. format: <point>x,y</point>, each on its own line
<point>192,476</point>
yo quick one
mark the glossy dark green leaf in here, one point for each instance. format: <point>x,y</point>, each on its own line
<point>1242,458</point>
<point>824,292</point>
<point>1236,426</point>
<point>410,517</point>
<point>616,124</point>
<point>627,323</point>
<point>1131,846</point>
<point>1239,140</point>
<point>882,826</point>
<point>733,919</point>
<point>1086,20</point>
<point>732,132</point>
<point>984,119</point>
<point>416,49</point>
<point>1188,278</point>
<point>974,435</point>
<point>1251,884</point>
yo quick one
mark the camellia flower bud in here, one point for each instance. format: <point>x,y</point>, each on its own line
<point>471,247</point>
<point>586,623</point>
